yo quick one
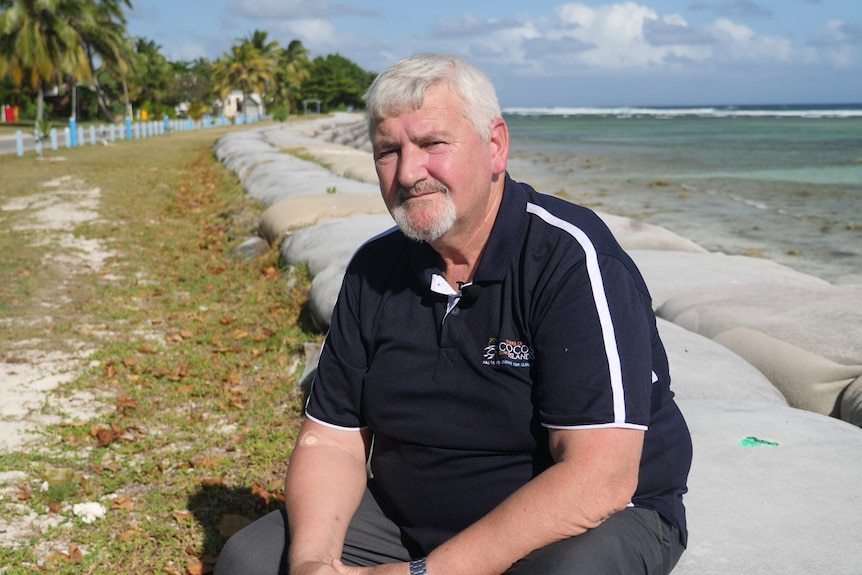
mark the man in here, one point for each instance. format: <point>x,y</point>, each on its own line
<point>492,396</point>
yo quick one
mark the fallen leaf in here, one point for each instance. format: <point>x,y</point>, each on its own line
<point>123,502</point>
<point>127,534</point>
<point>184,515</point>
<point>240,334</point>
<point>75,554</point>
<point>130,361</point>
<point>105,436</point>
<point>210,481</point>
<point>227,320</point>
<point>261,492</point>
<point>199,568</point>
<point>125,404</point>
<point>187,333</point>
<point>147,349</point>
<point>231,523</point>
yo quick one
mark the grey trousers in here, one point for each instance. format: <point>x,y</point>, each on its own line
<point>633,541</point>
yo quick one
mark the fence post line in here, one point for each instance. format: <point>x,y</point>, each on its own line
<point>54,139</point>
<point>19,142</point>
<point>128,128</point>
<point>67,136</point>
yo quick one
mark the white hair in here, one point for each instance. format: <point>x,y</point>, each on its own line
<point>402,87</point>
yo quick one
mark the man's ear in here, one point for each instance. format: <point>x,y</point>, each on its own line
<point>499,146</point>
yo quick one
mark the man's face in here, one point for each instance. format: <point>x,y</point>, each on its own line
<point>435,172</point>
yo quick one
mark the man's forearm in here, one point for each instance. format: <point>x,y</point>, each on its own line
<point>325,482</point>
<point>574,495</point>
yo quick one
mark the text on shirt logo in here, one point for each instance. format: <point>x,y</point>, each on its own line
<point>508,352</point>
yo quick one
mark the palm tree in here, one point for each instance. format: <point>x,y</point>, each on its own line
<point>153,73</point>
<point>268,52</point>
<point>243,68</point>
<point>104,36</point>
<point>39,44</point>
<point>292,70</point>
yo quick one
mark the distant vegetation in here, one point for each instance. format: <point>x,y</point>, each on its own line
<point>64,53</point>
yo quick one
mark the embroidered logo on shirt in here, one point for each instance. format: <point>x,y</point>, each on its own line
<point>508,352</point>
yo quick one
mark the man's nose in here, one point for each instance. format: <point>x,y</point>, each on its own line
<point>412,167</point>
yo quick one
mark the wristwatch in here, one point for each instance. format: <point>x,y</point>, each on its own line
<point>417,567</point>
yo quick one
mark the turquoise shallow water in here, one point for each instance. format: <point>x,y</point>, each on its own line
<point>780,182</point>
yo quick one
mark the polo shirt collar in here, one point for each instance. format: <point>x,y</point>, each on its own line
<point>505,235</point>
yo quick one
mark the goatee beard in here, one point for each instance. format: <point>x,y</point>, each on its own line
<point>441,222</point>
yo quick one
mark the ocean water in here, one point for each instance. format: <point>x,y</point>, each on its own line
<point>779,182</point>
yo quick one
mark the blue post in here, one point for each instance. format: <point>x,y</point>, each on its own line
<point>73,130</point>
<point>54,139</point>
<point>19,142</point>
<point>191,125</point>
<point>128,128</point>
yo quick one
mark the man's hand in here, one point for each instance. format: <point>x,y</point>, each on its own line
<point>388,569</point>
<point>313,568</point>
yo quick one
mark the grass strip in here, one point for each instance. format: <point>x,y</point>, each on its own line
<point>193,356</point>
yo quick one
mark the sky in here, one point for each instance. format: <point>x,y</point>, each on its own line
<point>558,54</point>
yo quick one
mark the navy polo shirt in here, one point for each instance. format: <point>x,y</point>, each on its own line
<point>460,391</point>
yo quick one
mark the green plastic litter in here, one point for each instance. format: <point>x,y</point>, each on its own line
<point>752,441</point>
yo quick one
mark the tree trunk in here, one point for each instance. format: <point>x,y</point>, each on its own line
<point>126,94</point>
<point>100,93</point>
<point>40,105</point>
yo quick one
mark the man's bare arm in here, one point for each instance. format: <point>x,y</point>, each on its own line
<point>325,482</point>
<point>595,475</point>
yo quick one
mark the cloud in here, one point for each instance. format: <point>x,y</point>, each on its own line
<point>837,32</point>
<point>297,9</point>
<point>740,42</point>
<point>733,9</point>
<point>674,31</point>
<point>469,26</point>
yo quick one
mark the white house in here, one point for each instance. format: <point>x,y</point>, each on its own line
<point>232,105</point>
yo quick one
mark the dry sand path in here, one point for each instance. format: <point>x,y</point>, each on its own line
<point>32,369</point>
